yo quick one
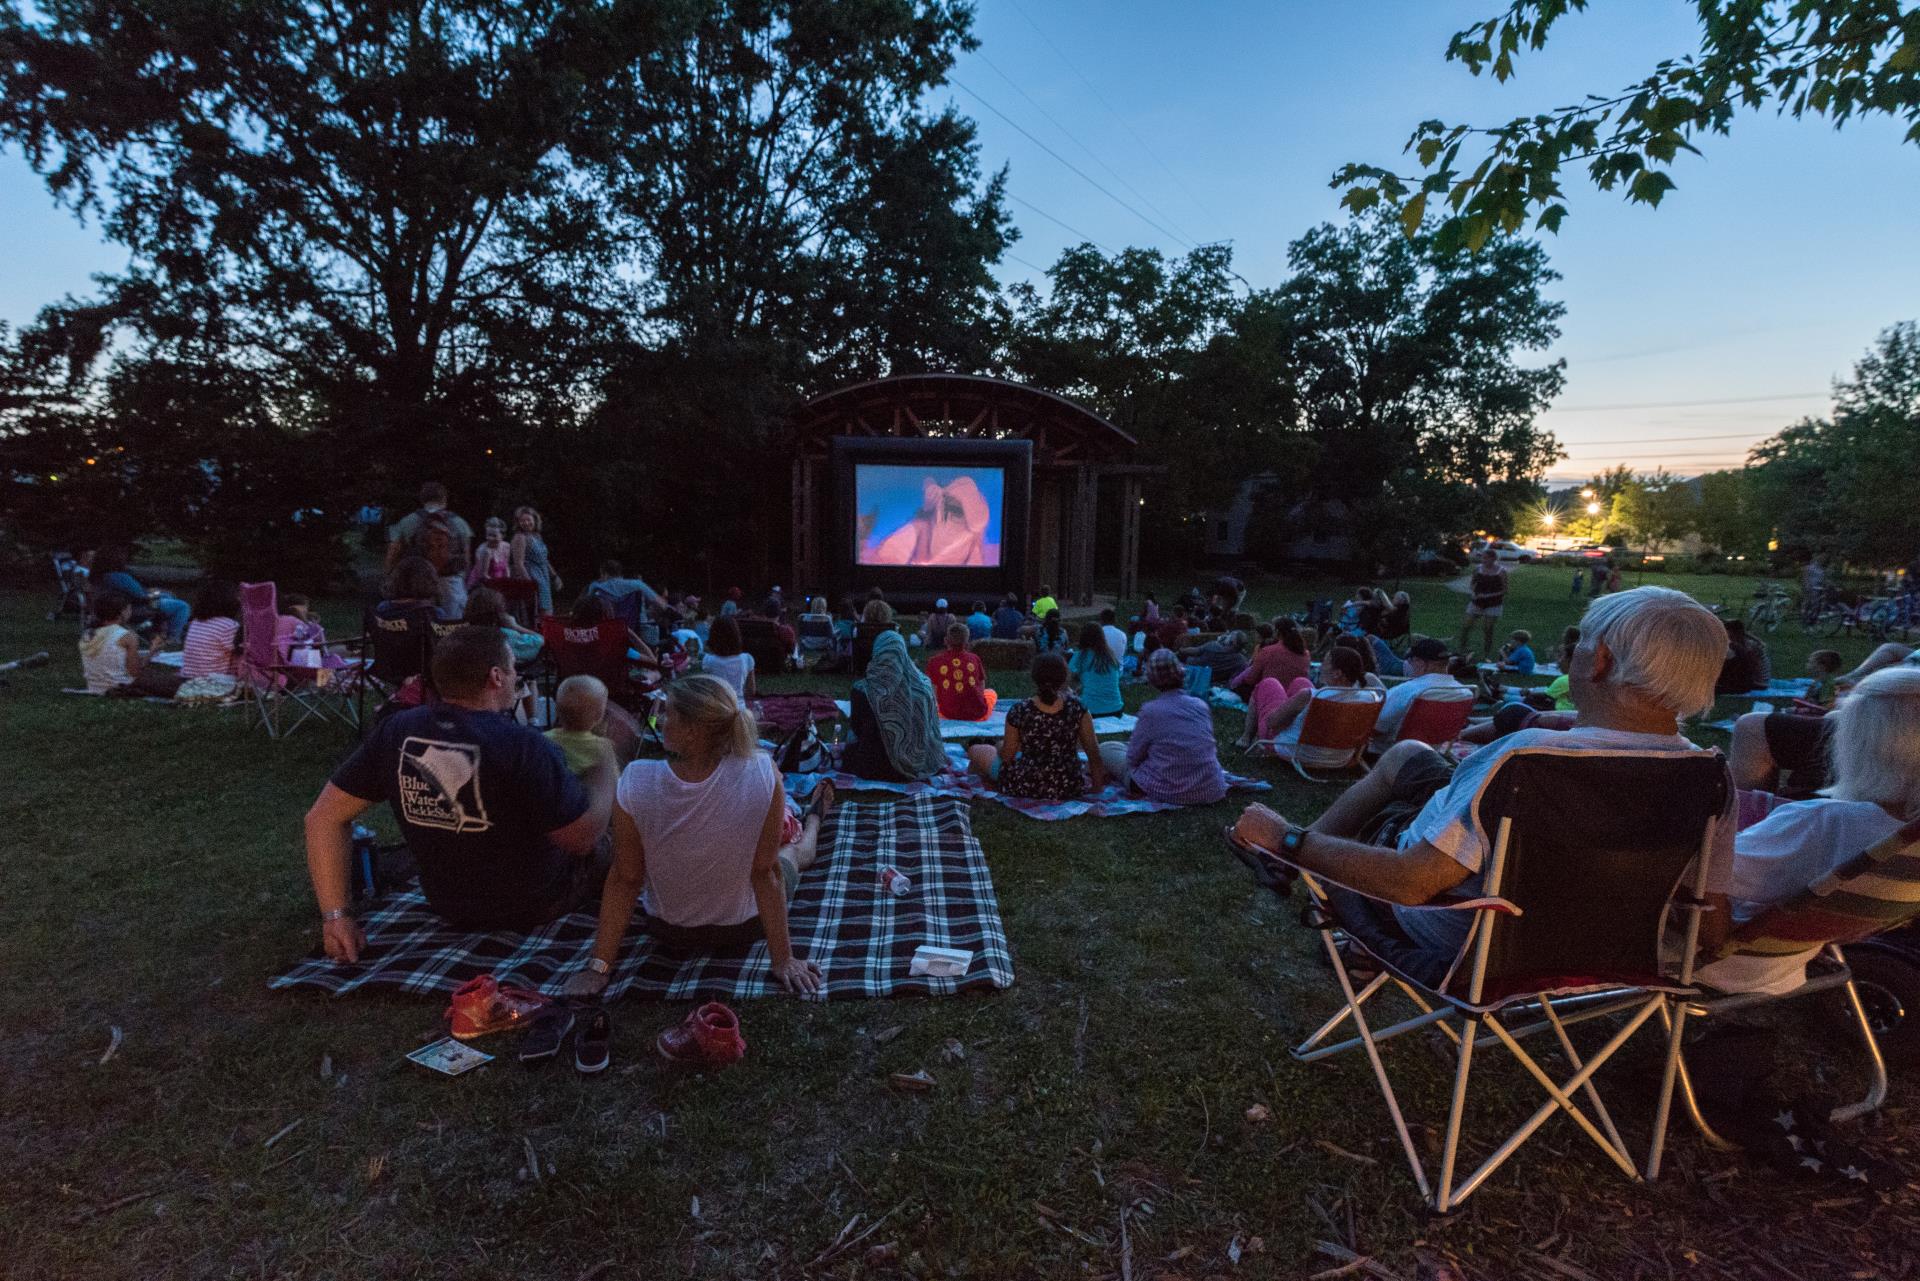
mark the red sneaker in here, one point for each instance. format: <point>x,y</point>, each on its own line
<point>710,1036</point>
<point>482,1006</point>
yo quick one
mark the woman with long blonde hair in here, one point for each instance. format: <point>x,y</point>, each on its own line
<point>707,841</point>
<point>529,551</point>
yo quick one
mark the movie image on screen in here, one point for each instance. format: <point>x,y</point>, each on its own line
<point>945,516</point>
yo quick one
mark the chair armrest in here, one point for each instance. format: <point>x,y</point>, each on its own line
<point>1439,903</point>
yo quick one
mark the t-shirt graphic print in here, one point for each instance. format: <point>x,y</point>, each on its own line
<point>439,785</point>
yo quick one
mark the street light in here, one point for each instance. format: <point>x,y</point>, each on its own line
<point>1547,520</point>
<point>1587,493</point>
<point>1593,509</point>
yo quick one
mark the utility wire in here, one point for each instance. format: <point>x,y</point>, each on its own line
<point>1099,97</point>
<point>1670,440</point>
<point>1687,404</point>
<point>1094,183</point>
<point>1091,154</point>
<point>1050,218</point>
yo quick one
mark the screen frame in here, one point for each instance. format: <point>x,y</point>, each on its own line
<point>1014,459</point>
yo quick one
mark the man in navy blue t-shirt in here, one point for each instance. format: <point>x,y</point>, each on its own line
<point>499,827</point>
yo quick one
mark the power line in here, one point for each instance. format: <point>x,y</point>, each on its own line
<point>1033,266</point>
<point>1095,184</point>
<point>1062,222</point>
<point>1672,440</point>
<point>1091,154</point>
<point>1688,404</point>
<point>1124,123</point>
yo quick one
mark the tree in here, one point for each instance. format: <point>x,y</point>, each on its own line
<point>1405,353</point>
<point>1653,510</point>
<point>1834,485</point>
<point>1833,58</point>
<point>1728,519</point>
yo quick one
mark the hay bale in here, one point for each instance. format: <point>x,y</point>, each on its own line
<point>1005,655</point>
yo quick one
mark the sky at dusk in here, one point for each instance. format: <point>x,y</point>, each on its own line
<point>1691,330</point>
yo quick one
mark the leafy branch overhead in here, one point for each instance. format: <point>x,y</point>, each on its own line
<point>1833,58</point>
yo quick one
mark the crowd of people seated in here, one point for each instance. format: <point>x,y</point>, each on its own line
<point>511,826</point>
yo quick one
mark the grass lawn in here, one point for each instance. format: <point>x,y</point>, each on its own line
<point>1097,1125</point>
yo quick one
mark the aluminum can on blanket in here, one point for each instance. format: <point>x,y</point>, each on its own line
<point>896,882</point>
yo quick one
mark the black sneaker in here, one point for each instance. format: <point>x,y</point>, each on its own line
<point>549,1031</point>
<point>591,1044</point>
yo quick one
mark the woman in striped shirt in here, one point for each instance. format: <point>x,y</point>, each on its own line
<point>213,637</point>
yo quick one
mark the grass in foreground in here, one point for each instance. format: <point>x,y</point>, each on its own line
<point>154,880</point>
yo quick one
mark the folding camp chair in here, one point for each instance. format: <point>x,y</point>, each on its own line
<point>1339,725</point>
<point>816,633</point>
<point>1436,718</point>
<point>399,649</point>
<point>600,650</point>
<point>1871,893</point>
<point>285,695</point>
<point>522,596</point>
<point>760,637</point>
<point>72,578</point>
<point>1567,927</point>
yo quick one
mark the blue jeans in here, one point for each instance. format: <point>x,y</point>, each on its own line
<point>172,614</point>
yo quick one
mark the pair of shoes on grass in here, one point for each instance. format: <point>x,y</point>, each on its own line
<point>483,1006</point>
<point>709,1037</point>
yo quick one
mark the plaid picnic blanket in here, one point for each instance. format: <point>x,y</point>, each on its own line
<point>958,782</point>
<point>861,937</point>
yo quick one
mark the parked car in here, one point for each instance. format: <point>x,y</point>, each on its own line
<point>1506,550</point>
<point>1579,555</point>
<point>1429,561</point>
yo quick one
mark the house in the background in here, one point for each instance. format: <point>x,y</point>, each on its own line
<point>1318,527</point>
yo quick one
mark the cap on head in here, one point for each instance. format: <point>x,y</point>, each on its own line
<point>1428,649</point>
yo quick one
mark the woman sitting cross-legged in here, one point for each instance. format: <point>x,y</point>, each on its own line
<point>893,719</point>
<point>707,841</point>
<point>110,653</point>
<point>1046,736</point>
<point>1276,714</point>
<point>1171,755</point>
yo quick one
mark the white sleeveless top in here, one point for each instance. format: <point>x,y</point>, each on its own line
<point>699,837</point>
<point>102,660</point>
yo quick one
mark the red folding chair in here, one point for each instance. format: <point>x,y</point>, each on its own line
<point>1339,724</point>
<point>286,696</point>
<point>1436,718</point>
<point>600,650</point>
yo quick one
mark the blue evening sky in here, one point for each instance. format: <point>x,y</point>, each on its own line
<point>1784,250</point>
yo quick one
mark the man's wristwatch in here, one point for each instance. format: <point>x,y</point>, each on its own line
<point>597,965</point>
<point>332,914</point>
<point>1290,843</point>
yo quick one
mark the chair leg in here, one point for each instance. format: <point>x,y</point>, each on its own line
<point>1683,1083</point>
<point>1573,1057</point>
<point>1345,1012</point>
<point>1877,1086</point>
<point>1379,1068</point>
<point>1456,1116</point>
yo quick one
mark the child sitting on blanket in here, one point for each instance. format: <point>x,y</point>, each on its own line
<point>580,705</point>
<point>1517,654</point>
<point>960,680</point>
<point>707,842</point>
<point>1046,735</point>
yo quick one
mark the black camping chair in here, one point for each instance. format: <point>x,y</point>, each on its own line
<point>760,637</point>
<point>864,635</point>
<point>1588,851</point>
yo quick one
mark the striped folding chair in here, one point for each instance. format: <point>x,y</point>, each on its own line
<point>1873,892</point>
<point>1339,724</point>
<point>1567,928</point>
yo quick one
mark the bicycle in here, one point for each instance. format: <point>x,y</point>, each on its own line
<point>1770,605</point>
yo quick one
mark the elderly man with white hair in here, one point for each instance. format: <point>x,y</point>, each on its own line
<point>1407,832</point>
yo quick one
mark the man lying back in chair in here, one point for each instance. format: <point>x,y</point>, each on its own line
<point>1407,832</point>
<point>503,833</point>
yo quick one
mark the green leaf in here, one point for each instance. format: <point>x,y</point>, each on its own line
<point>1649,187</point>
<point>1411,213</point>
<point>1550,218</point>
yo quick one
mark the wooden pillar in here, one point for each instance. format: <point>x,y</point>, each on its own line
<point>1084,510</point>
<point>1130,539</point>
<point>1043,535</point>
